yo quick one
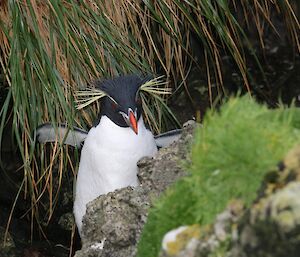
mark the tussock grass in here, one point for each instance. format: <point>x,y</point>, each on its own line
<point>231,153</point>
<point>49,51</point>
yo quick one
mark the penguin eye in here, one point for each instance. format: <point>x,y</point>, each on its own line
<point>114,105</point>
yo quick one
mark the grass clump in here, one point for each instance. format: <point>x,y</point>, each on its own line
<point>231,154</point>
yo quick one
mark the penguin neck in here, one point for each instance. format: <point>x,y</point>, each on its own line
<point>112,131</point>
<point>105,121</point>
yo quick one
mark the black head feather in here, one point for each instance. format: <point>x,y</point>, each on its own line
<point>122,94</point>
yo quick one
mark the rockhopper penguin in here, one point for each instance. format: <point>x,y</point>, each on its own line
<point>112,148</point>
<point>114,145</point>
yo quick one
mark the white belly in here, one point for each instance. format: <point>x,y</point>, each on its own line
<point>108,161</point>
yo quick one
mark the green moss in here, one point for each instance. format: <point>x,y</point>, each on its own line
<point>232,152</point>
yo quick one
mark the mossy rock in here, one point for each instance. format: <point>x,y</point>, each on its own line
<point>232,152</point>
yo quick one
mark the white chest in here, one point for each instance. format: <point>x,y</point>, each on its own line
<point>108,161</point>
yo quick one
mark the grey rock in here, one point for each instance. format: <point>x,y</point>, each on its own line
<point>113,222</point>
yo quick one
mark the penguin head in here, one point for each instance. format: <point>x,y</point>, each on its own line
<point>122,103</point>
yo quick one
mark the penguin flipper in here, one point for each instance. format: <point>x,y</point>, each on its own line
<point>62,133</point>
<point>167,138</point>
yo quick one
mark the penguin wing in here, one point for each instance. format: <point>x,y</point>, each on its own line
<point>167,138</point>
<point>62,133</point>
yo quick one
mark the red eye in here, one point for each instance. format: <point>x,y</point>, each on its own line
<point>114,106</point>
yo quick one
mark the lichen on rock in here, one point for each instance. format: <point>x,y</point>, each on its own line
<point>181,241</point>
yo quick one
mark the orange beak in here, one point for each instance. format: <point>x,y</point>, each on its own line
<point>133,122</point>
